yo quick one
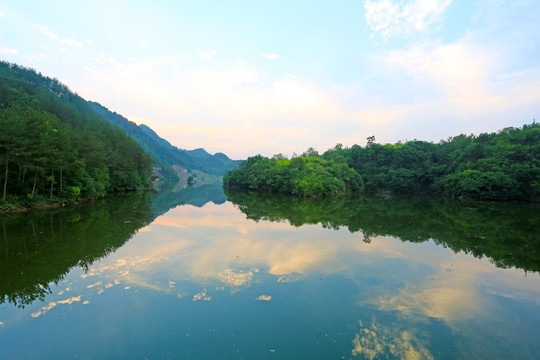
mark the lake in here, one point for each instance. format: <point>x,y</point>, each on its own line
<point>199,274</point>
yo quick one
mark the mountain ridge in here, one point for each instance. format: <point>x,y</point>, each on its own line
<point>163,152</point>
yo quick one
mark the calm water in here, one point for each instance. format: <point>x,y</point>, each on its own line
<point>198,274</point>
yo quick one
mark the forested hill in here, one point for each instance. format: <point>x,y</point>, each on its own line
<point>164,154</point>
<point>493,166</point>
<point>54,147</point>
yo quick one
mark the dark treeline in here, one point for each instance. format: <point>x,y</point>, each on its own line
<point>54,147</point>
<point>498,166</point>
<point>507,233</point>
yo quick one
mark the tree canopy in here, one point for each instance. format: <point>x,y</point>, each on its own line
<point>54,146</point>
<point>497,166</point>
<point>306,175</point>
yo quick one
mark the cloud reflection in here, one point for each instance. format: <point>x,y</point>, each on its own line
<point>203,295</point>
<point>216,247</point>
<point>232,278</point>
<point>382,341</point>
<point>53,304</point>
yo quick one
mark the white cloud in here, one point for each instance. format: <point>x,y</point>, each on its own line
<point>52,36</point>
<point>2,14</point>
<point>458,69</point>
<point>427,91</point>
<point>232,107</point>
<point>453,88</point>
<point>390,18</point>
<point>270,56</point>
<point>5,50</point>
<point>208,55</point>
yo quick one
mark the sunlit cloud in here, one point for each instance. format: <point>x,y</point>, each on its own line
<point>270,56</point>
<point>459,69</point>
<point>218,107</point>
<point>455,87</point>
<point>389,18</point>
<point>238,109</point>
<point>264,298</point>
<point>53,37</point>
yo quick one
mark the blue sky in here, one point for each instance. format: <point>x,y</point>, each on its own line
<point>249,77</point>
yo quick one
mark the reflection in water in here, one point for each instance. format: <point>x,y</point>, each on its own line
<point>167,198</point>
<point>41,247</point>
<point>380,341</point>
<point>202,281</point>
<point>507,233</point>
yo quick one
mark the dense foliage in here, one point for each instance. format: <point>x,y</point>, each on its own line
<point>500,166</point>
<point>307,175</point>
<point>54,147</point>
<point>164,154</point>
<point>503,165</point>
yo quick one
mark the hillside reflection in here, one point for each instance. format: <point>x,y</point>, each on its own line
<point>40,248</point>
<point>507,233</point>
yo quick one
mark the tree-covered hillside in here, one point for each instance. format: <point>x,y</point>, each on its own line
<point>164,154</point>
<point>496,166</point>
<point>54,146</point>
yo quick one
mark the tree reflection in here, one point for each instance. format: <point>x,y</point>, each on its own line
<point>40,248</point>
<point>507,233</point>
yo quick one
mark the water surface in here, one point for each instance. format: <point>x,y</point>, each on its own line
<point>193,275</point>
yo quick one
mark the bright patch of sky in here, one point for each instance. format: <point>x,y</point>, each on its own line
<point>248,77</point>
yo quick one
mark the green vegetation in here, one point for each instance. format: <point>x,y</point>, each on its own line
<point>306,175</point>
<point>507,233</point>
<point>496,166</point>
<point>55,148</point>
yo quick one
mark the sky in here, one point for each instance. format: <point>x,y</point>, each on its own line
<point>267,77</point>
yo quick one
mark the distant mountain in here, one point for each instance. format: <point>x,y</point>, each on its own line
<point>164,154</point>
